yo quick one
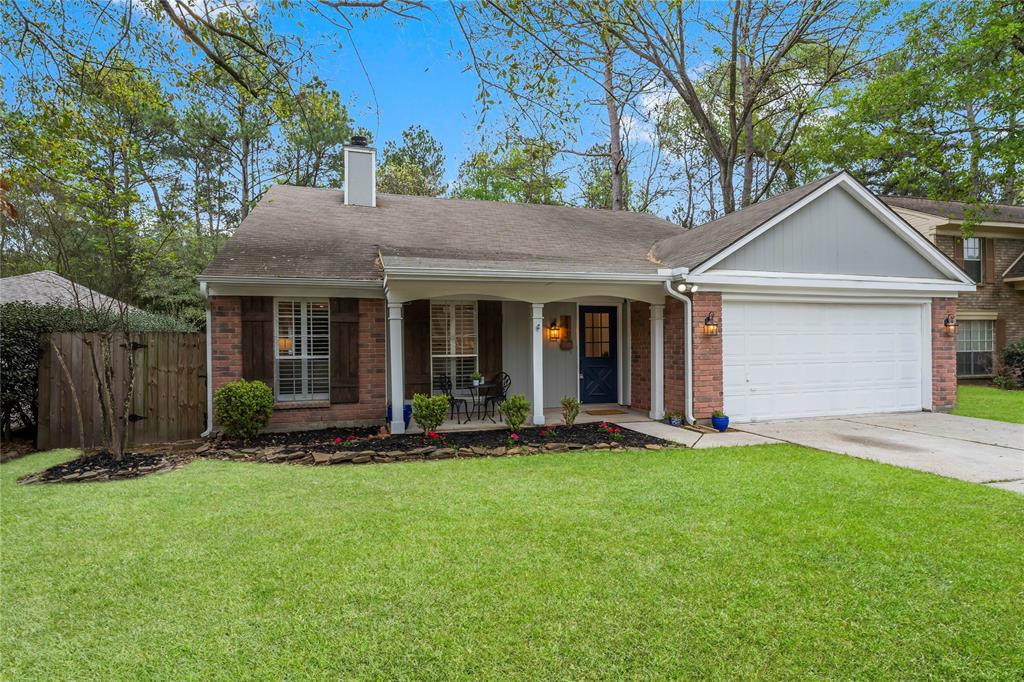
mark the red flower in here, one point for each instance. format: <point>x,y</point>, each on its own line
<point>514,436</point>
<point>351,437</point>
<point>617,430</point>
<point>433,434</point>
<point>337,440</point>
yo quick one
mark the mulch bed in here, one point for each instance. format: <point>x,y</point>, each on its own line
<point>102,466</point>
<point>353,446</point>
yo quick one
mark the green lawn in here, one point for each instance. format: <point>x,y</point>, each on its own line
<point>988,402</point>
<point>762,562</point>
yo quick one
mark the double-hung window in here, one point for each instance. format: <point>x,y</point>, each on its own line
<point>302,343</point>
<point>975,346</point>
<point>972,258</point>
<point>453,343</point>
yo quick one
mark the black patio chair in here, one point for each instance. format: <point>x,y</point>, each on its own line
<point>502,383</point>
<point>454,403</point>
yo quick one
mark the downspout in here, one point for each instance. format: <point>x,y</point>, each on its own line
<point>209,362</point>
<point>687,350</point>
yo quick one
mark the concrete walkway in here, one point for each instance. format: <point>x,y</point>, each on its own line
<point>696,439</point>
<point>976,450</point>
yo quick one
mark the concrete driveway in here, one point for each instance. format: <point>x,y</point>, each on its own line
<point>976,450</point>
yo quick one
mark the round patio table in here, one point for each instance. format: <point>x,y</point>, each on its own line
<point>480,393</point>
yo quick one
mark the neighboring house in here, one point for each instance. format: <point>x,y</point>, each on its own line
<point>993,315</point>
<point>820,301</point>
<point>47,286</point>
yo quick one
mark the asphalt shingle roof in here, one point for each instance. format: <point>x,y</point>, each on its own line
<point>956,210</point>
<point>310,232</point>
<point>47,286</point>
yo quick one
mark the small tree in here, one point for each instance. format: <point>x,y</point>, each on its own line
<point>514,409</point>
<point>429,411</point>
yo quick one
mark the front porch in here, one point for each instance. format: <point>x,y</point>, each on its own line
<point>603,344</point>
<point>589,414</point>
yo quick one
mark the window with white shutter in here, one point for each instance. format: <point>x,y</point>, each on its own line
<point>302,347</point>
<point>453,343</point>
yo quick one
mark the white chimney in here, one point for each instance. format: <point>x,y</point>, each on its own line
<point>360,173</point>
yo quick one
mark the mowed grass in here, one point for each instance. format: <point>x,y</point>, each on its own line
<point>761,562</point>
<point>988,402</point>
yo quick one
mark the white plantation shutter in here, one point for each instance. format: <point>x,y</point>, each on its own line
<point>302,350</point>
<point>453,342</point>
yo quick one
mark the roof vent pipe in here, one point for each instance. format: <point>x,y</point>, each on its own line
<point>360,173</point>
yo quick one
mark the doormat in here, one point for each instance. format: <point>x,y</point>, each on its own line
<point>602,413</point>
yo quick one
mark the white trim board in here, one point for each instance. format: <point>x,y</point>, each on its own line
<point>878,208</point>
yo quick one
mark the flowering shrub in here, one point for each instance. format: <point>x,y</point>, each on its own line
<point>610,430</point>
<point>514,440</point>
<point>346,442</point>
<point>437,437</point>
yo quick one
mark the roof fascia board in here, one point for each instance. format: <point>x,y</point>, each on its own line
<point>409,272</point>
<point>299,281</point>
<point>720,279</point>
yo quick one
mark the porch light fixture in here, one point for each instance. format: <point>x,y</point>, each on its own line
<point>710,325</point>
<point>284,345</point>
<point>554,331</point>
<point>950,324</point>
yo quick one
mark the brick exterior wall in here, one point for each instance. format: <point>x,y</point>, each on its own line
<point>640,355</point>
<point>226,339</point>
<point>1000,297</point>
<point>943,356</point>
<point>227,366</point>
<point>707,356</point>
<point>675,357</point>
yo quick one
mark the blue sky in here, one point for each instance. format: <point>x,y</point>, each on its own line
<point>415,72</point>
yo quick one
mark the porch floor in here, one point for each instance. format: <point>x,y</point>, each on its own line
<point>552,417</point>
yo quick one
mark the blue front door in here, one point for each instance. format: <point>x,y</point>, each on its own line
<point>599,365</point>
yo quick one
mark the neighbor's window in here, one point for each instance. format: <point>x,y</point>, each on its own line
<point>453,348</point>
<point>975,343</point>
<point>302,350</point>
<point>972,258</point>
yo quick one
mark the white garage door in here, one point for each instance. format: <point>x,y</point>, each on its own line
<point>784,360</point>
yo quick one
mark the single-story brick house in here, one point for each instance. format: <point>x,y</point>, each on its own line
<point>819,301</point>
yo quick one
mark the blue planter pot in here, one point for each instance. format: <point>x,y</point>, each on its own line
<point>720,423</point>
<point>406,414</point>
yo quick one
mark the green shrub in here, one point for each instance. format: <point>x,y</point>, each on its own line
<point>429,411</point>
<point>1013,361</point>
<point>242,408</point>
<point>22,326</point>
<point>1003,381</point>
<point>570,410</point>
<point>514,409</point>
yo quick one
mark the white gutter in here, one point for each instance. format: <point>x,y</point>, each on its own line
<point>687,350</point>
<point>209,363</point>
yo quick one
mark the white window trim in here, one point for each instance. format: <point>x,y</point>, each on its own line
<point>964,324</point>
<point>476,335</point>
<point>306,397</point>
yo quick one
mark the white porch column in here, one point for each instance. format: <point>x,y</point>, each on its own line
<point>537,344</point>
<point>657,361</point>
<point>396,367</point>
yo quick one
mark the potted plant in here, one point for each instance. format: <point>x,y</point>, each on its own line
<point>674,418</point>
<point>477,378</point>
<point>719,420</point>
<point>406,414</point>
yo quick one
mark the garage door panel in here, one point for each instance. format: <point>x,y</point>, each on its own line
<point>784,360</point>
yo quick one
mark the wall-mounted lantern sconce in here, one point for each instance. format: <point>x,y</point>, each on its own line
<point>710,325</point>
<point>284,344</point>
<point>950,324</point>
<point>554,331</point>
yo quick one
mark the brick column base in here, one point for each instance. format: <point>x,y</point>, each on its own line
<point>226,339</point>
<point>943,356</point>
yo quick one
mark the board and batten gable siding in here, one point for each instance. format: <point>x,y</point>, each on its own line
<point>834,235</point>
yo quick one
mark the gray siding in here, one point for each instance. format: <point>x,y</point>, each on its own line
<point>359,177</point>
<point>833,235</point>
<point>560,373</point>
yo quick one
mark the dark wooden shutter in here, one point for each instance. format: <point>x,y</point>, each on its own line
<point>416,347</point>
<point>988,260</point>
<point>258,338</point>
<point>489,337</point>
<point>344,350</point>
<point>958,252</point>
<point>1000,339</point>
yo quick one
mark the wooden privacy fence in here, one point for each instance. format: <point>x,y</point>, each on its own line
<point>169,402</point>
